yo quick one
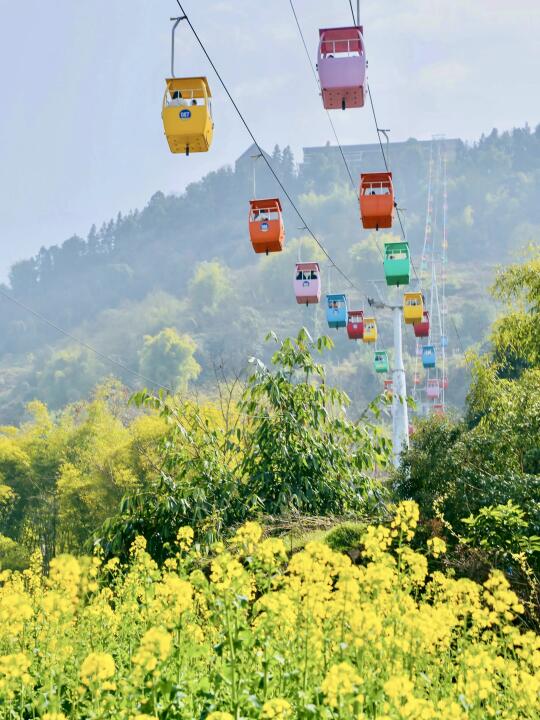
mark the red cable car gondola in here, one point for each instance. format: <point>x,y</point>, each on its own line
<point>266,228</point>
<point>376,200</point>
<point>355,324</point>
<point>421,329</point>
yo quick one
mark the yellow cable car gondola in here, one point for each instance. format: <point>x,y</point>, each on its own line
<point>187,115</point>
<point>370,330</point>
<point>187,111</point>
<point>413,307</point>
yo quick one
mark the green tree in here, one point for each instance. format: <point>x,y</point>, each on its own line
<point>286,446</point>
<point>168,359</point>
<point>302,452</point>
<point>210,285</point>
<point>67,375</point>
<point>516,335</point>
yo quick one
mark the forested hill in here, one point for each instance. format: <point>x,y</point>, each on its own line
<point>186,263</point>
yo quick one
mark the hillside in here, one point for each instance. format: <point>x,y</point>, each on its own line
<point>185,262</point>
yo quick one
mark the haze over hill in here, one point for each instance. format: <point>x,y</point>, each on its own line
<point>185,262</point>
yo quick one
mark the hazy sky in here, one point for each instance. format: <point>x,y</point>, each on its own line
<point>82,84</point>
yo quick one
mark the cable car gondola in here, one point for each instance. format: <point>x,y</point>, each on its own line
<point>380,361</point>
<point>421,329</point>
<point>428,356</point>
<point>397,263</point>
<point>355,324</point>
<point>336,310</point>
<point>341,64</point>
<point>187,115</point>
<point>187,110</point>
<point>307,283</point>
<point>376,200</point>
<point>370,330</point>
<point>433,388</point>
<point>413,307</point>
<point>266,228</point>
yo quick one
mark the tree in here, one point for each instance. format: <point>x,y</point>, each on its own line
<point>516,335</point>
<point>302,453</point>
<point>286,446</point>
<point>62,475</point>
<point>167,358</point>
<point>68,374</point>
<point>484,472</point>
<point>210,286</point>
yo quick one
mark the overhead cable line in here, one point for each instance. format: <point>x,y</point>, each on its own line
<point>263,154</point>
<point>354,186</point>
<point>386,165</point>
<point>84,344</point>
<point>352,11</point>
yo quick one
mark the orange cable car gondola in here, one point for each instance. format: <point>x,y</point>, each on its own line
<point>266,228</point>
<point>376,200</point>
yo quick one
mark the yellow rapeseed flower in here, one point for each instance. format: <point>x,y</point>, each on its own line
<point>248,537</point>
<point>436,546</point>
<point>97,667</point>
<point>184,538</point>
<point>155,647</point>
<point>278,708</point>
<point>13,672</point>
<point>340,684</point>
<point>405,520</point>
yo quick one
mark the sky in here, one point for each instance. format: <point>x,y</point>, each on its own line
<point>82,82</point>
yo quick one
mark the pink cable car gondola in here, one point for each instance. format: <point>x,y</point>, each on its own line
<point>307,283</point>
<point>342,67</point>
<point>433,388</point>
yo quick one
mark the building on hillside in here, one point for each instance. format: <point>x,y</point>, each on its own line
<point>368,156</point>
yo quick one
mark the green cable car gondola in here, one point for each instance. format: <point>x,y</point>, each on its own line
<point>380,361</point>
<point>397,263</point>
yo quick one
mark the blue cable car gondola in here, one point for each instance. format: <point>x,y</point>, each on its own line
<point>336,310</point>
<point>428,356</point>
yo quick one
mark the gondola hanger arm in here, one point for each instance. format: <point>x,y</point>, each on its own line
<point>177,21</point>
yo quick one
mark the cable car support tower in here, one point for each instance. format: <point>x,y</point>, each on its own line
<point>400,412</point>
<point>433,274</point>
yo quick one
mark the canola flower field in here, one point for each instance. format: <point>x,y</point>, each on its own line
<point>252,633</point>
